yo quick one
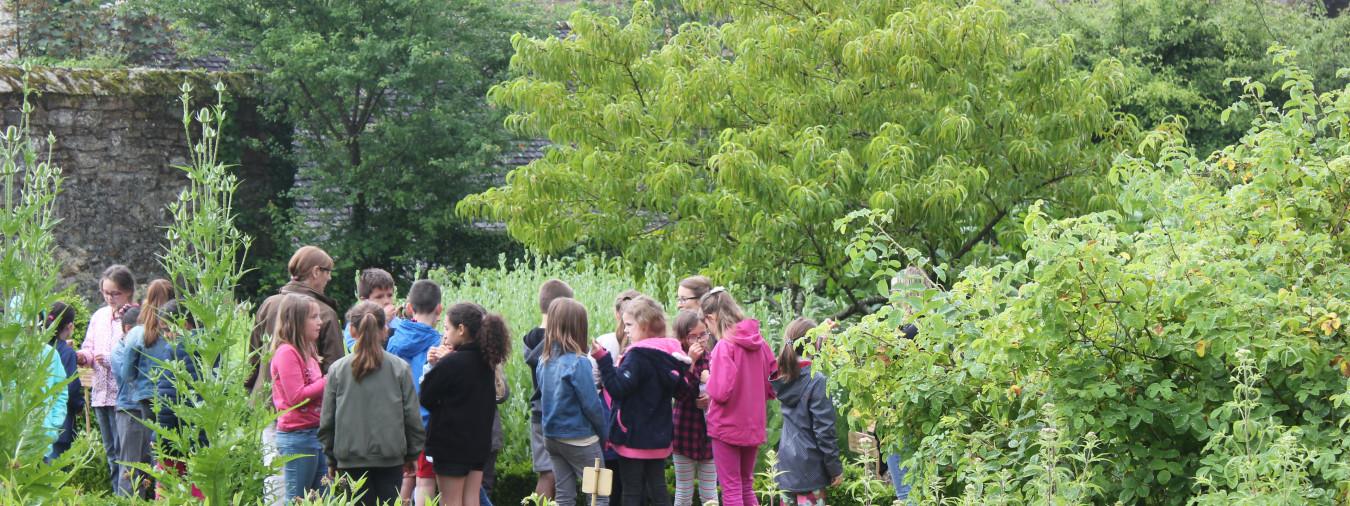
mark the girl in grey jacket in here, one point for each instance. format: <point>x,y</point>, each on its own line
<point>808,449</point>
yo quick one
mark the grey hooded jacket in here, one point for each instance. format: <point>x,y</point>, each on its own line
<point>808,449</point>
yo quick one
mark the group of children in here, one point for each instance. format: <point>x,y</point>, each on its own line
<point>413,410</point>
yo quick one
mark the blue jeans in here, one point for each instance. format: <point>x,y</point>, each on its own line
<point>107,427</point>
<point>898,477</point>
<point>304,474</point>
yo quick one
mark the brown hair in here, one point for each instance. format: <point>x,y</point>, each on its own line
<point>619,301</point>
<point>719,302</point>
<point>424,296</point>
<point>684,324</point>
<point>304,261</point>
<point>373,279</point>
<point>367,320</point>
<point>487,329</point>
<point>567,328</point>
<point>793,343</point>
<point>289,324</point>
<point>58,318</point>
<point>121,276</point>
<point>551,290</point>
<point>700,285</point>
<point>648,314</point>
<point>158,293</point>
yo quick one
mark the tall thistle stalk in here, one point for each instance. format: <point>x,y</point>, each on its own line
<point>28,277</point>
<point>220,424</point>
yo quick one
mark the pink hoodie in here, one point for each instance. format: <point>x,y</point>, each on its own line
<point>738,386</point>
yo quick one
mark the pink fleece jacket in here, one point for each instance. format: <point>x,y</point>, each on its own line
<point>738,386</point>
<point>296,380</point>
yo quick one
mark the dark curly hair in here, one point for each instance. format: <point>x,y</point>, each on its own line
<point>487,329</point>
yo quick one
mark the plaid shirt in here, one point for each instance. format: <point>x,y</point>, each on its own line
<point>691,428</point>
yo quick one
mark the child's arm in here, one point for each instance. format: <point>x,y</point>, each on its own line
<point>289,369</point>
<point>823,423</point>
<point>326,422</point>
<point>721,376</point>
<point>436,382</point>
<point>591,406</point>
<point>85,356</point>
<point>618,382</point>
<point>124,357</point>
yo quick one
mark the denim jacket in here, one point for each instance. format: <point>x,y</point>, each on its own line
<point>569,398</point>
<point>138,367</point>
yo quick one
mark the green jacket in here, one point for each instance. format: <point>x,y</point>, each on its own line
<point>374,422</point>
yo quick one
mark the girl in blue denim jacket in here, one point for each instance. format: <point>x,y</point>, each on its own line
<point>574,418</point>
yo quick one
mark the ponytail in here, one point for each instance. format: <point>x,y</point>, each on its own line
<point>789,366</point>
<point>487,329</point>
<point>368,327</point>
<point>158,293</point>
<point>719,302</point>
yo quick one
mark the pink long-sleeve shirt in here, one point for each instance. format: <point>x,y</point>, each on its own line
<point>295,380</point>
<point>100,338</point>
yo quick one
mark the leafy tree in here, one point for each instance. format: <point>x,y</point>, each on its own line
<point>731,148</point>
<point>1132,322</point>
<point>1178,52</point>
<point>387,96</point>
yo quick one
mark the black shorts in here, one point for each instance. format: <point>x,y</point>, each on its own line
<point>454,469</point>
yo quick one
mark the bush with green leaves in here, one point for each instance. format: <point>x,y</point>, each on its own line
<point>1130,322</point>
<point>30,183</point>
<point>731,147</point>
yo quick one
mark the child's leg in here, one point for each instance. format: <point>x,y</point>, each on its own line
<point>426,482</point>
<point>654,482</point>
<point>564,474</point>
<point>747,471</point>
<point>727,458</point>
<point>685,471</point>
<point>405,490</point>
<point>473,486</point>
<point>542,465</point>
<point>632,475</point>
<point>707,481</point>
<point>452,490</point>
<point>107,428</point>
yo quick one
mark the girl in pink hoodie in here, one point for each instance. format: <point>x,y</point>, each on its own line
<point>738,391</point>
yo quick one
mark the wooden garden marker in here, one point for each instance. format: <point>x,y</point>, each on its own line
<point>597,481</point>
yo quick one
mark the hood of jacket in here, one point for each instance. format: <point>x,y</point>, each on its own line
<point>790,393</point>
<point>665,352</point>
<point>745,334</point>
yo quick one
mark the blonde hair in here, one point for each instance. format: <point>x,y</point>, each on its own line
<point>157,293</point>
<point>623,298</point>
<point>648,314</point>
<point>289,326</point>
<point>567,327</point>
<point>719,302</point>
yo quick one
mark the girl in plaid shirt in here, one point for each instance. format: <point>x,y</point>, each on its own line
<point>693,449</point>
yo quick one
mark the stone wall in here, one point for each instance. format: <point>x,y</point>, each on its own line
<point>119,135</point>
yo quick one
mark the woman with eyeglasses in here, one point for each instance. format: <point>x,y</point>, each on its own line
<point>310,269</point>
<point>118,287</point>
<point>689,292</point>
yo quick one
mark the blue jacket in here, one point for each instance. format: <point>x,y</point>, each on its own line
<point>74,391</point>
<point>166,388</point>
<point>808,447</point>
<point>569,398</point>
<point>410,342</point>
<point>137,367</point>
<point>56,414</point>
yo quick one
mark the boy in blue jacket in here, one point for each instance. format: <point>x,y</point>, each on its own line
<point>411,341</point>
<point>374,285</point>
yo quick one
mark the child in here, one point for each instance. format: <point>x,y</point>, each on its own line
<point>534,340</point>
<point>60,321</point>
<point>459,392</point>
<point>642,387</point>
<point>377,286</point>
<point>105,330</point>
<point>410,342</point>
<point>738,389</point>
<point>573,415</point>
<point>137,362</point>
<point>298,382</point>
<point>369,425</point>
<point>167,386</point>
<point>808,449</point>
<point>614,344</point>
<point>693,449</point>
<point>690,290</point>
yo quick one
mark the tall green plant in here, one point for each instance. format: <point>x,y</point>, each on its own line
<point>28,275</point>
<point>221,424</point>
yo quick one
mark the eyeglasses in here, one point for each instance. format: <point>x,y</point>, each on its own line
<point>113,294</point>
<point>685,299</point>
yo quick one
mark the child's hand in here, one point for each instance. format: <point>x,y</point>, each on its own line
<point>696,351</point>
<point>435,353</point>
<point>702,401</point>
<point>838,480</point>
<point>390,311</point>
<point>703,378</point>
<point>597,351</point>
